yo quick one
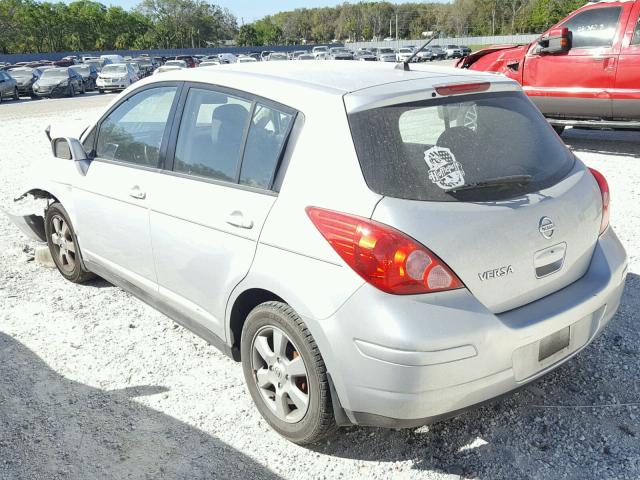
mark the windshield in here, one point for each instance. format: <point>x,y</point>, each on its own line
<point>176,63</point>
<point>20,73</point>
<point>423,150</point>
<point>55,73</point>
<point>386,50</point>
<point>82,69</point>
<point>114,69</point>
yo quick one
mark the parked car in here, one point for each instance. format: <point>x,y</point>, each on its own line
<point>320,51</point>
<point>89,75</point>
<point>8,87</point>
<point>306,56</point>
<point>327,286</point>
<point>277,57</point>
<point>189,60</point>
<point>255,55</point>
<point>426,55</point>
<point>364,56</point>
<point>25,77</point>
<point>340,53</point>
<point>175,63</point>
<point>403,54</point>
<point>145,65</point>
<point>136,68</point>
<point>386,55</point>
<point>581,72</point>
<point>242,59</point>
<point>438,52</point>
<point>453,51</point>
<point>264,54</point>
<point>465,50</point>
<point>209,63</point>
<point>116,76</point>
<point>296,53</point>
<point>168,68</point>
<point>95,62</point>
<point>227,58</point>
<point>59,82</point>
<point>109,59</point>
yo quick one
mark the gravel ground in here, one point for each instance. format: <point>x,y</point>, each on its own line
<point>95,384</point>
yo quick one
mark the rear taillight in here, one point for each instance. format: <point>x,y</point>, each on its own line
<point>604,192</point>
<point>383,256</point>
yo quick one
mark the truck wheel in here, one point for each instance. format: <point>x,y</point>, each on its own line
<point>285,374</point>
<point>63,245</point>
<point>559,129</point>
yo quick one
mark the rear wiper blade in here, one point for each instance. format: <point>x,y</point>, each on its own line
<point>494,182</point>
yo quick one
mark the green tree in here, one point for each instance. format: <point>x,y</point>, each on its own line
<point>247,35</point>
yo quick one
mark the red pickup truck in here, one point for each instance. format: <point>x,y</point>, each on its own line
<point>584,71</point>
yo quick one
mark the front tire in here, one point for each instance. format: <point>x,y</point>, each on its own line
<point>63,245</point>
<point>285,374</point>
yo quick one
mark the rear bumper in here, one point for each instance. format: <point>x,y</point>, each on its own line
<point>406,361</point>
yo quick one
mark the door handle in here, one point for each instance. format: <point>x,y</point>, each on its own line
<point>236,219</point>
<point>135,192</point>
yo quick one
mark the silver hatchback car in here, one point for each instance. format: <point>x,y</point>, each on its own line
<point>376,246</point>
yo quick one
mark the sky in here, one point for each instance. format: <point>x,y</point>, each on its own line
<point>250,10</point>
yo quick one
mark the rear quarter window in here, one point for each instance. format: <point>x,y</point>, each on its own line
<point>419,151</point>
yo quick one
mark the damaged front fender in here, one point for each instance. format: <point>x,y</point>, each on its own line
<point>31,219</point>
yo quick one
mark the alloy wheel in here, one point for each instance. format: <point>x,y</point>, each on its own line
<point>63,245</point>
<point>280,374</point>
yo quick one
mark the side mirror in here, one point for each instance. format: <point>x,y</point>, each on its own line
<point>68,149</point>
<point>71,149</point>
<point>557,40</point>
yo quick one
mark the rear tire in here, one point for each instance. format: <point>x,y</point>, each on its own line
<point>304,414</point>
<point>63,245</point>
<point>559,129</point>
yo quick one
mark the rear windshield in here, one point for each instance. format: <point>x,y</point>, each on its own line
<point>427,149</point>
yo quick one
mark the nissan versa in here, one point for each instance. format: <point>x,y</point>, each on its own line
<point>377,246</point>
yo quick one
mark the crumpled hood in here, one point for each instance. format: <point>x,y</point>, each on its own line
<point>494,55</point>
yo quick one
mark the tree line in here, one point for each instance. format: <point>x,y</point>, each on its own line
<point>377,20</point>
<point>85,25</point>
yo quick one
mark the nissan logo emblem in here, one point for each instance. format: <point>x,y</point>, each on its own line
<point>546,227</point>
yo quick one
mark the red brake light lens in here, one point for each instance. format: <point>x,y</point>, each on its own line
<point>459,88</point>
<point>383,256</point>
<point>604,192</point>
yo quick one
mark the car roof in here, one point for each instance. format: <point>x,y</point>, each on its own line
<point>297,82</point>
<point>338,78</point>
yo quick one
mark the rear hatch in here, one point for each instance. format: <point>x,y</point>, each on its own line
<point>482,181</point>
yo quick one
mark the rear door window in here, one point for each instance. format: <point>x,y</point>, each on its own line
<point>267,133</point>
<point>424,150</point>
<point>211,134</point>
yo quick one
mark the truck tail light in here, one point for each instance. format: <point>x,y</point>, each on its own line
<point>386,258</point>
<point>604,192</point>
<point>460,88</point>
